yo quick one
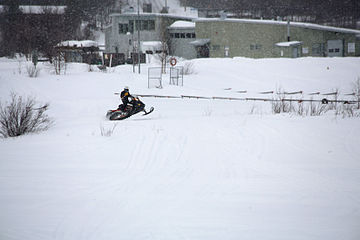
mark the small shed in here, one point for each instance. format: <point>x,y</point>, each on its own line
<point>86,51</point>
<point>291,49</point>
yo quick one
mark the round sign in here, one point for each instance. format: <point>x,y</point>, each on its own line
<point>172,61</point>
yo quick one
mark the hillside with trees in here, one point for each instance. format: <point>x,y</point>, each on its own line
<point>340,13</point>
<point>53,22</point>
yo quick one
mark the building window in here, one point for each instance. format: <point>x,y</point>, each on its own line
<point>351,47</point>
<point>131,26</point>
<point>177,35</point>
<point>190,35</point>
<point>255,46</point>
<point>146,25</point>
<point>182,35</point>
<point>172,35</point>
<point>123,28</point>
<point>147,8</point>
<point>151,25</point>
<point>138,25</point>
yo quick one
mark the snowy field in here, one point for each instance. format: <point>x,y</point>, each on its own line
<point>193,169</point>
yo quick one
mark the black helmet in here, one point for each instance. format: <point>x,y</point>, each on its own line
<point>126,88</point>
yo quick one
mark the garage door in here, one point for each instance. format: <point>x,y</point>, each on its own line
<point>335,48</point>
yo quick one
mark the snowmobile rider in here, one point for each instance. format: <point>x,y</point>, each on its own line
<point>124,95</point>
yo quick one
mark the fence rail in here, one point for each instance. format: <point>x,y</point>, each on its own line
<point>299,100</point>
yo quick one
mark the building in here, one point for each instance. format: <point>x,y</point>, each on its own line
<point>182,34</point>
<point>269,38</point>
<point>122,35</point>
<point>152,19</point>
<point>192,37</point>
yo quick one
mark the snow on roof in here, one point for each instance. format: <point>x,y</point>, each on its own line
<point>74,43</point>
<point>288,44</point>
<point>129,14</point>
<point>275,22</point>
<point>173,6</point>
<point>34,9</point>
<point>182,24</point>
<point>37,9</point>
<point>200,42</point>
<point>151,45</point>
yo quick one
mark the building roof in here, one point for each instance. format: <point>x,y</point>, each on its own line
<point>288,44</point>
<point>173,7</point>
<point>200,42</point>
<point>151,45</point>
<point>182,24</point>
<point>275,22</point>
<point>134,14</point>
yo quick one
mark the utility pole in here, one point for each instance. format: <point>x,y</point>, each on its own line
<point>138,28</point>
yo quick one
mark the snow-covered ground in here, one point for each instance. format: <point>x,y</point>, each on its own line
<point>193,169</point>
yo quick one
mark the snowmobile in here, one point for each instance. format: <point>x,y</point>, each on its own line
<point>133,107</point>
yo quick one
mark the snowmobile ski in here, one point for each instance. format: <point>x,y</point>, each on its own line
<point>150,111</point>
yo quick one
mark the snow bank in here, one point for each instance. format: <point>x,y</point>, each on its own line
<point>193,169</point>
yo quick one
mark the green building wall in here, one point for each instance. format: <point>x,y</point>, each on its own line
<point>257,40</point>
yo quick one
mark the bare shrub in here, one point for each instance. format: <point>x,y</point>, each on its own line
<point>279,105</point>
<point>59,63</point>
<point>189,68</point>
<point>253,109</point>
<point>356,91</point>
<point>276,107</point>
<point>316,109</point>
<point>20,116</point>
<point>107,132</point>
<point>20,61</point>
<point>282,106</point>
<point>334,105</point>
<point>32,71</point>
<point>301,109</point>
<point>347,111</point>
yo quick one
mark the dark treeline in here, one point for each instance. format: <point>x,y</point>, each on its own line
<point>341,13</point>
<point>25,32</point>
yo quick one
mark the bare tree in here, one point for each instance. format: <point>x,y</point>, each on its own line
<point>164,37</point>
